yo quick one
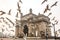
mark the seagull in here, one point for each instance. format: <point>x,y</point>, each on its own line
<point>9,13</point>
<point>53,18</point>
<point>10,21</point>
<point>2,18</point>
<point>20,1</point>
<point>6,22</point>
<point>55,4</point>
<point>18,7</point>
<point>17,14</point>
<point>2,30</point>
<point>9,26</point>
<point>3,25</point>
<point>12,30</point>
<point>47,8</point>
<point>44,1</point>
<point>7,29</point>
<point>2,12</point>
<point>53,24</point>
<point>49,14</point>
<point>56,21</point>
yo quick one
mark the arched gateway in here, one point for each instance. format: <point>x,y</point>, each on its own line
<point>36,25</point>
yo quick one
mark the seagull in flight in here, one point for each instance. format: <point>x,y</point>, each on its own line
<point>20,1</point>
<point>9,13</point>
<point>55,4</point>
<point>49,14</point>
<point>44,1</point>
<point>2,12</point>
<point>47,8</point>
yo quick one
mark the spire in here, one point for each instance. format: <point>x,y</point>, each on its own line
<point>30,10</point>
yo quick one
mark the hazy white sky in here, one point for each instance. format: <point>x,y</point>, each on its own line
<point>36,6</point>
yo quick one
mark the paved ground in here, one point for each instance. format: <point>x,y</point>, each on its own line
<point>25,39</point>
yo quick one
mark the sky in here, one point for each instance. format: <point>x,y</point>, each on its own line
<point>36,6</point>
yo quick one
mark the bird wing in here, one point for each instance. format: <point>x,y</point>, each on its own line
<point>54,4</point>
<point>7,29</point>
<point>20,1</point>
<point>2,13</point>
<point>9,20</point>
<point>18,7</point>
<point>43,1</point>
<point>9,13</point>
<point>45,10</point>
<point>12,30</point>
<point>17,14</point>
<point>53,18</point>
<point>49,14</point>
<point>47,7</point>
<point>2,30</point>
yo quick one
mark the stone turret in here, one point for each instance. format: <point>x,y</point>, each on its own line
<point>30,10</point>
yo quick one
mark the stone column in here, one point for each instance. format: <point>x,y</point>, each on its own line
<point>21,34</point>
<point>16,30</point>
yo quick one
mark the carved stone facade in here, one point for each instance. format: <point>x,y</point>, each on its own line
<point>37,25</point>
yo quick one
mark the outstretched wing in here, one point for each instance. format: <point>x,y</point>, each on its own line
<point>9,20</point>
<point>53,18</point>
<point>56,21</point>
<point>20,1</point>
<point>17,14</point>
<point>9,13</point>
<point>3,30</point>
<point>47,8</point>
<point>49,14</point>
<point>43,1</point>
<point>18,7</point>
<point>54,4</point>
<point>12,30</point>
<point>2,12</point>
